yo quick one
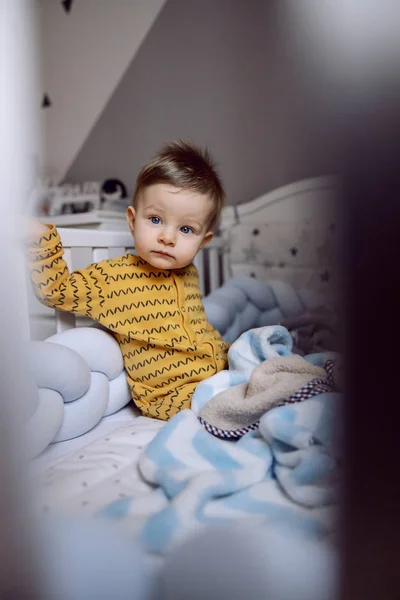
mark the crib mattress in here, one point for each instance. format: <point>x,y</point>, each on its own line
<point>55,453</point>
<point>97,473</point>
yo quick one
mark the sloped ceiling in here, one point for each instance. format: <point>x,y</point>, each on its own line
<point>218,72</point>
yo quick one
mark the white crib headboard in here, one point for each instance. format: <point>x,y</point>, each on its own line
<point>288,234</point>
<point>308,199</point>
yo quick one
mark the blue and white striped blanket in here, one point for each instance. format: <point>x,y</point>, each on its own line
<point>281,474</point>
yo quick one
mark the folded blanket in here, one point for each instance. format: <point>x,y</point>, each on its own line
<point>198,480</point>
<point>305,440</point>
<point>281,474</point>
<point>270,382</point>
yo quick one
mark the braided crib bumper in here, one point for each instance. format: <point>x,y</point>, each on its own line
<point>80,379</point>
<point>244,303</point>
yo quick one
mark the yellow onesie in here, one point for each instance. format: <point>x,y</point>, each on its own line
<point>157,317</point>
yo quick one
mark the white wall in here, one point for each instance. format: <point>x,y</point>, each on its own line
<point>221,73</point>
<point>84,55</point>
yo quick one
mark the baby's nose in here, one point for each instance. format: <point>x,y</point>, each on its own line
<point>168,236</point>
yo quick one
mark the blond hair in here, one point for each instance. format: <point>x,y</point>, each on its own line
<point>184,166</point>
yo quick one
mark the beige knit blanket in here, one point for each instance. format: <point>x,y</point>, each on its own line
<point>270,382</point>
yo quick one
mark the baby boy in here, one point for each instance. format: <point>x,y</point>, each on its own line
<point>151,302</point>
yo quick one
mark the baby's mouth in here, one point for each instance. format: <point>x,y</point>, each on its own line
<point>161,253</point>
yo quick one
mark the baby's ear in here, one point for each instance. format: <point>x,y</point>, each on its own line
<point>207,239</point>
<point>130,217</point>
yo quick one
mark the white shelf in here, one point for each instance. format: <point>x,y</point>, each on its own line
<point>98,219</point>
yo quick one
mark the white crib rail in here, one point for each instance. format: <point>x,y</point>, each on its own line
<point>82,247</point>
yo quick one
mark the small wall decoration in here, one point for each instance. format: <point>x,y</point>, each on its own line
<point>46,102</point>
<point>67,5</point>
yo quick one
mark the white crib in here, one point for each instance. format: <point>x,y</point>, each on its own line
<point>100,422</point>
<point>83,247</point>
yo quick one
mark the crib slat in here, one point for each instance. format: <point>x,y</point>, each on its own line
<point>81,257</point>
<point>64,321</point>
<point>116,251</point>
<point>213,265</point>
<point>199,263</point>
<point>68,257</point>
<point>100,254</point>
<point>225,267</point>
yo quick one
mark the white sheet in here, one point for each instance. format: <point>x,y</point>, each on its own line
<point>93,476</point>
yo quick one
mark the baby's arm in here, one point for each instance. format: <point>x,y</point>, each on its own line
<point>82,292</point>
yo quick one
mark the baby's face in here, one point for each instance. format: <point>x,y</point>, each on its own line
<point>170,225</point>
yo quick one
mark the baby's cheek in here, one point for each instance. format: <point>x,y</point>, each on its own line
<point>192,245</point>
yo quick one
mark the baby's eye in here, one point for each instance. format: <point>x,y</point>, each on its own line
<point>185,229</point>
<point>155,220</point>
